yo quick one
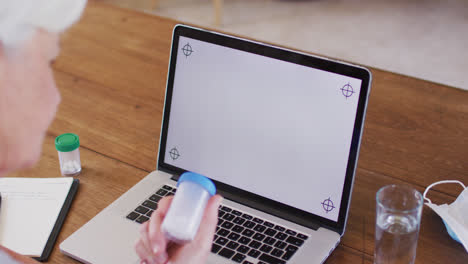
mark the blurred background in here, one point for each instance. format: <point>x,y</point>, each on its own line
<point>427,39</point>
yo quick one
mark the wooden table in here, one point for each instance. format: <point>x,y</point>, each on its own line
<point>112,76</point>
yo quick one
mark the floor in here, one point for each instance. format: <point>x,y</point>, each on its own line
<point>427,39</point>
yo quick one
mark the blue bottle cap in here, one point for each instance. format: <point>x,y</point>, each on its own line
<point>199,179</point>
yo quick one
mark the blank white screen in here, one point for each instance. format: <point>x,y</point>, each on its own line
<point>270,127</point>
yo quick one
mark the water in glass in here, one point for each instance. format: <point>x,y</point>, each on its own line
<point>396,239</point>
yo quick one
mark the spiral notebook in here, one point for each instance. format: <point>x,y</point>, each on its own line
<point>32,213</point>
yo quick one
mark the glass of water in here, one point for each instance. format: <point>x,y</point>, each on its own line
<point>398,216</point>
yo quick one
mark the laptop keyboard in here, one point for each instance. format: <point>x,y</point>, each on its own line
<point>240,237</point>
<point>143,212</point>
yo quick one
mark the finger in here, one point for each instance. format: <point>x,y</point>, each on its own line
<point>161,258</point>
<point>207,228</point>
<point>144,239</point>
<point>164,203</point>
<point>142,253</point>
<point>157,240</point>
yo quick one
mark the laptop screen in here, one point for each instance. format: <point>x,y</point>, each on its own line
<point>271,127</point>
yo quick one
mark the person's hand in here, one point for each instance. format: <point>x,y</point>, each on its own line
<point>154,248</point>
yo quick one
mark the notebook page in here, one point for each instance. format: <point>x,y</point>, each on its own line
<point>29,210</point>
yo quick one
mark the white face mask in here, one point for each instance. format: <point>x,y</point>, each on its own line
<point>455,215</point>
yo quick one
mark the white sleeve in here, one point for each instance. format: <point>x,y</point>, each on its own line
<point>6,259</point>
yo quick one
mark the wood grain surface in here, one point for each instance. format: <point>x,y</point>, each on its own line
<point>112,75</point>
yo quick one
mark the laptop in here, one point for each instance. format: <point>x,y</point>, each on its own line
<point>278,131</point>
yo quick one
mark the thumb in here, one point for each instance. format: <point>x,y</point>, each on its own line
<point>208,223</point>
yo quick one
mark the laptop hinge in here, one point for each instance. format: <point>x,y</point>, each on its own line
<point>261,206</point>
<point>298,219</point>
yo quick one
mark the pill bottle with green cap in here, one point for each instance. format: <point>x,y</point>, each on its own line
<point>68,148</point>
<point>183,218</point>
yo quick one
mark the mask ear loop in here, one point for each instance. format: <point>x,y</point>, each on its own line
<point>437,183</point>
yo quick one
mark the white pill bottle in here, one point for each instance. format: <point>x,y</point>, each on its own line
<point>187,208</point>
<point>67,146</point>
